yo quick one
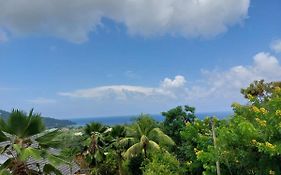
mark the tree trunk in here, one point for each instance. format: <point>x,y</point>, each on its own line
<point>215,145</point>
<point>120,171</point>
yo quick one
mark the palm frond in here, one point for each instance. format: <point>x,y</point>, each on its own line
<point>17,123</point>
<point>56,160</point>
<point>146,123</point>
<point>35,125</point>
<point>94,127</point>
<point>131,131</point>
<point>127,141</point>
<point>3,137</point>
<point>30,152</point>
<point>157,135</point>
<point>133,150</point>
<point>152,146</point>
<point>47,140</point>
<point>140,131</point>
<point>3,126</point>
<point>118,131</point>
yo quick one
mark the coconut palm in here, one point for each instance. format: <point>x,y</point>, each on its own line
<point>146,136</point>
<point>23,138</point>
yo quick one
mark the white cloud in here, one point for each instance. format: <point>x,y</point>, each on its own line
<point>42,101</point>
<point>115,91</point>
<point>227,84</point>
<point>178,82</point>
<point>73,20</point>
<point>276,46</point>
<point>167,89</point>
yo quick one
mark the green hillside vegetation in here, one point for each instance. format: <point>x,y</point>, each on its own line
<point>49,122</point>
<point>247,142</point>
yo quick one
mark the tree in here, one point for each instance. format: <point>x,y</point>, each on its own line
<point>162,163</point>
<point>249,142</point>
<point>260,90</point>
<point>119,144</point>
<point>112,163</point>
<point>146,136</point>
<point>175,120</point>
<point>24,138</point>
<point>95,143</point>
<point>196,139</point>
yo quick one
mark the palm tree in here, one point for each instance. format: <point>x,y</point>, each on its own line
<point>95,143</point>
<point>146,136</point>
<point>118,136</point>
<point>24,138</point>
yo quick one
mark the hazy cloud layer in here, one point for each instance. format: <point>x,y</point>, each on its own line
<point>73,19</point>
<point>276,46</point>
<point>168,88</point>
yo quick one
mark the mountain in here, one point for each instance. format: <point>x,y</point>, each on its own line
<point>49,122</point>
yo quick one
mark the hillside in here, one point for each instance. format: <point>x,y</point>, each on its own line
<point>49,122</point>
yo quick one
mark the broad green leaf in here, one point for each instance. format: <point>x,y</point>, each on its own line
<point>56,160</point>
<point>47,140</point>
<point>30,152</point>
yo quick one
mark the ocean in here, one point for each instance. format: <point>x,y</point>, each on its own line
<point>115,120</point>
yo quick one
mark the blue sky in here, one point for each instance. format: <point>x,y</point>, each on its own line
<point>103,60</point>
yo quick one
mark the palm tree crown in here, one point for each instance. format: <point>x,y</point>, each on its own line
<point>146,136</point>
<point>24,138</point>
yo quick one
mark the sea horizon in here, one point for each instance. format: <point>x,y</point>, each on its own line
<point>127,119</point>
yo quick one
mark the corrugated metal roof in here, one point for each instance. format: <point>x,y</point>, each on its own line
<point>32,163</point>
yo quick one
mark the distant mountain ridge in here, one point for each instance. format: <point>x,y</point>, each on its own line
<point>49,122</point>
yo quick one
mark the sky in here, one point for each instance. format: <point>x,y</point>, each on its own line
<point>91,58</point>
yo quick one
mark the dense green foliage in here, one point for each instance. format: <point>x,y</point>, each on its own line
<point>248,142</point>
<point>162,163</point>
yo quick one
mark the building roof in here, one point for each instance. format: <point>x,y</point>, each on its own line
<point>33,164</point>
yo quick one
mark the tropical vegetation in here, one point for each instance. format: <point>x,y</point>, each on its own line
<point>23,137</point>
<point>246,142</point>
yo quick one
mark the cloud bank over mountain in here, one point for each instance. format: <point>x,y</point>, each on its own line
<point>73,20</point>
